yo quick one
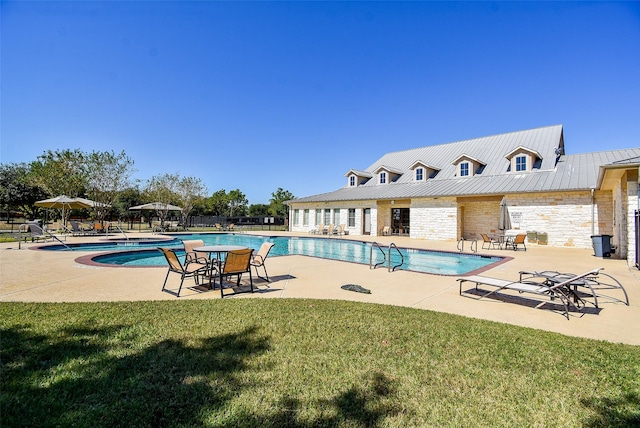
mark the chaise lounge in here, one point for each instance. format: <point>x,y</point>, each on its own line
<point>538,286</point>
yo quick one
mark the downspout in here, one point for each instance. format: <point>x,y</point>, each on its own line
<point>593,212</point>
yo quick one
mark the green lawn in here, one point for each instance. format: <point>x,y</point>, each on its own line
<point>301,363</point>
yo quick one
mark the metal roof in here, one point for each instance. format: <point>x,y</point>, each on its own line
<point>555,172</point>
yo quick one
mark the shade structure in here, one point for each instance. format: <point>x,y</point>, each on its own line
<point>504,222</point>
<point>93,204</point>
<point>64,203</point>
<point>155,206</point>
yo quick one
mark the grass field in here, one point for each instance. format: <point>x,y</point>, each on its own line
<point>301,363</point>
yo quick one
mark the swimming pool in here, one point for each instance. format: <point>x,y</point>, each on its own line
<point>138,254</point>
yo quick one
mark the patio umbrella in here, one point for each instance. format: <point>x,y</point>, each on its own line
<point>64,203</point>
<point>504,222</point>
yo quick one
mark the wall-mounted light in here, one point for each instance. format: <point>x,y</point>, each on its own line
<point>393,202</point>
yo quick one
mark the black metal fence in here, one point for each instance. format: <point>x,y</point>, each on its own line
<point>248,222</point>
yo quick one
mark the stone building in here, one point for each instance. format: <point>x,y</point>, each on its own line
<point>454,190</point>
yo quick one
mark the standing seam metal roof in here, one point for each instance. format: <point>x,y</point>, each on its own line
<point>555,172</point>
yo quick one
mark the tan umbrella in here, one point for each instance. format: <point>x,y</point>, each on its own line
<point>504,223</point>
<point>64,203</point>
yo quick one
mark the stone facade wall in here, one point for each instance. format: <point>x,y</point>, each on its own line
<point>565,217</point>
<point>434,218</point>
<point>479,217</point>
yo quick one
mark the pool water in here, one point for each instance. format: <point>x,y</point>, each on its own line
<point>435,262</point>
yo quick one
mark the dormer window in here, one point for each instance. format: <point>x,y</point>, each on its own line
<point>522,159</point>
<point>464,169</point>
<point>467,166</point>
<point>357,178</point>
<point>423,171</point>
<point>387,175</point>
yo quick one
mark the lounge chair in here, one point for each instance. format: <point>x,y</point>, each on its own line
<point>78,230</point>
<point>192,269</point>
<point>32,231</point>
<point>561,290</point>
<point>386,231</point>
<point>217,226</point>
<point>157,227</point>
<point>318,230</point>
<point>489,243</point>
<point>339,230</point>
<point>519,240</point>
<point>236,263</point>
<point>259,258</point>
<point>328,230</point>
<point>588,287</point>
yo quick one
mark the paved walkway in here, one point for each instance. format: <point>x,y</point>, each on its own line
<point>28,275</point>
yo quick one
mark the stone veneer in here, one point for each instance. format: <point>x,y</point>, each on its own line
<point>565,217</point>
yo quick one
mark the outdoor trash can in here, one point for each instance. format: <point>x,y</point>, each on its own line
<point>601,245</point>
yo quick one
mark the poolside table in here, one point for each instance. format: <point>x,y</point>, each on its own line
<point>219,250</point>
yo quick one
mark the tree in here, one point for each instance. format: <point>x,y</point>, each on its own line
<point>259,210</point>
<point>127,198</point>
<point>107,174</point>
<point>60,172</point>
<point>17,192</point>
<point>277,207</point>
<point>237,203</point>
<point>217,203</point>
<point>189,190</point>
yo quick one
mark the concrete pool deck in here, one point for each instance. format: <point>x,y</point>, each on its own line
<point>28,275</point>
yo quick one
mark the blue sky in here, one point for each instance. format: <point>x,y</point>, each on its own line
<point>261,95</point>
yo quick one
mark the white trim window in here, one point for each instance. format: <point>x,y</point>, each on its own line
<point>305,218</point>
<point>521,163</point>
<point>336,216</point>
<point>327,216</point>
<point>419,174</point>
<point>383,177</point>
<point>352,181</point>
<point>296,217</point>
<point>465,168</point>
<point>318,216</point>
<point>352,217</point>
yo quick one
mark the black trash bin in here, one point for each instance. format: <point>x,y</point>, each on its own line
<point>601,245</point>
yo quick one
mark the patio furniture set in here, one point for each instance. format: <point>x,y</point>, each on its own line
<point>211,263</point>
<point>503,241</point>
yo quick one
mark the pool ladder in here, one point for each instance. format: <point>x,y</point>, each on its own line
<point>119,229</point>
<point>473,248</point>
<point>44,232</point>
<point>386,257</point>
